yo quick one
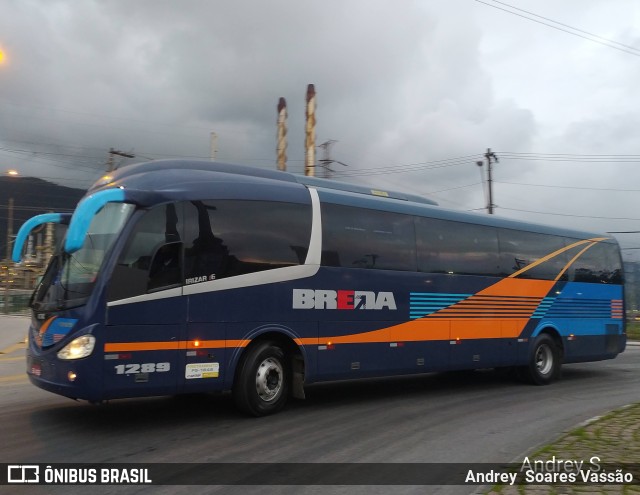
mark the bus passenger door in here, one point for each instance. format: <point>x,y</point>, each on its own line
<point>146,311</point>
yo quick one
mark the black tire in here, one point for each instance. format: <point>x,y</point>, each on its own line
<point>262,380</point>
<point>544,361</point>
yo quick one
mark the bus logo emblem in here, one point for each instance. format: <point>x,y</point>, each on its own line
<point>343,299</point>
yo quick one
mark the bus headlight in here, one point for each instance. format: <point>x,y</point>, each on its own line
<point>78,348</point>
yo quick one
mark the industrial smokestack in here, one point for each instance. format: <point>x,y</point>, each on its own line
<point>310,134</point>
<point>282,134</point>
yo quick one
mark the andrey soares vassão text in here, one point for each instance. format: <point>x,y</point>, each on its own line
<point>554,470</point>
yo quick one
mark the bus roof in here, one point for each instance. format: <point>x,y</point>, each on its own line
<point>168,176</point>
<point>157,167</point>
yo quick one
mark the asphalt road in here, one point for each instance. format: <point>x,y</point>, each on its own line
<point>437,418</point>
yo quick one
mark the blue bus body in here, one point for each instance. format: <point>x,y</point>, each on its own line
<point>182,277</point>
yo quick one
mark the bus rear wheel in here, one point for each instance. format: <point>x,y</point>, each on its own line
<point>262,381</point>
<point>544,361</point>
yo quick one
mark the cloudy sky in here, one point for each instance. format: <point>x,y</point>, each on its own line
<point>414,92</point>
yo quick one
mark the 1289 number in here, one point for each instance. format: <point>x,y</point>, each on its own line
<point>129,369</point>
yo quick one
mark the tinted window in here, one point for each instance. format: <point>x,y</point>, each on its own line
<point>456,248</point>
<point>228,237</point>
<point>599,264</point>
<point>360,238</point>
<point>151,259</point>
<point>521,249</point>
<point>70,278</point>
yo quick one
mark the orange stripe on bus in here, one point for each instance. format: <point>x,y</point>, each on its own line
<point>206,344</point>
<point>143,346</point>
<point>427,329</point>
<point>173,345</point>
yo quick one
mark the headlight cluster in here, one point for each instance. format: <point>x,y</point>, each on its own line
<point>78,348</point>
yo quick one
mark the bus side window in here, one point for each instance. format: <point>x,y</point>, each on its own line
<point>456,248</point>
<point>151,258</point>
<point>227,238</point>
<point>599,264</point>
<point>370,239</point>
<point>165,270</point>
<point>206,253</point>
<point>520,249</point>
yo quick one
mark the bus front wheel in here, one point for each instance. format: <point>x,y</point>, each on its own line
<point>544,361</point>
<point>262,381</point>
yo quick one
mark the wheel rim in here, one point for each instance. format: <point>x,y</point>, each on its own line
<point>544,359</point>
<point>269,378</point>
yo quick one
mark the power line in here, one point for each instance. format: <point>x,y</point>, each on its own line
<point>568,187</point>
<point>575,155</point>
<point>594,38</point>
<point>568,26</point>
<point>55,145</point>
<point>568,157</point>
<point>411,167</point>
<point>454,188</point>
<point>568,215</point>
<point>47,153</point>
<point>465,160</point>
<point>35,155</point>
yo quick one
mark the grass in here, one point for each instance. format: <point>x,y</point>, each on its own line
<point>633,330</point>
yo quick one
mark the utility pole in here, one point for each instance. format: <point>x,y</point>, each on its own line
<point>326,160</point>
<point>113,152</point>
<point>214,146</point>
<point>491,157</point>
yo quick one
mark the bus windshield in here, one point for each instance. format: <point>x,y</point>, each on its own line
<point>70,278</point>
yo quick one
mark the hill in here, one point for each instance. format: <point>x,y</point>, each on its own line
<point>32,196</point>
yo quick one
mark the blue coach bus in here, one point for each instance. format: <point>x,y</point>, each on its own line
<point>183,276</point>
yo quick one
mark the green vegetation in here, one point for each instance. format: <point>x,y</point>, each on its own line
<point>633,330</point>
